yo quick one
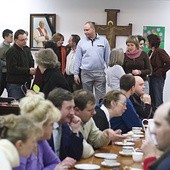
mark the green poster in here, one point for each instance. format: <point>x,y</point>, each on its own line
<point>160,31</point>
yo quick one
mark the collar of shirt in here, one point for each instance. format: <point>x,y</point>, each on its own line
<point>106,113</point>
<point>55,125</point>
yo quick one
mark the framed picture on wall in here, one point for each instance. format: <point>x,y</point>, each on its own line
<point>42,27</point>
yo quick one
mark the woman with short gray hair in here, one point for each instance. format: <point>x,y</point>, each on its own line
<point>52,77</point>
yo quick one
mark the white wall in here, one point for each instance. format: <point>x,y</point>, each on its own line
<point>72,14</point>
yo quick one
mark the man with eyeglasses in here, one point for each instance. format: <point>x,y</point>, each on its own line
<point>130,118</point>
<point>20,66</point>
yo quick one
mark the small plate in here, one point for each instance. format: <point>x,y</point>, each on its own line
<point>87,166</point>
<point>105,155</point>
<point>138,133</point>
<point>125,143</point>
<point>110,165</point>
<point>137,136</point>
<point>125,154</point>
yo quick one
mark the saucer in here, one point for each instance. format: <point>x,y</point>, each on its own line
<point>110,165</point>
<point>105,155</point>
<point>138,133</point>
<point>87,166</point>
<point>125,143</point>
<point>137,136</point>
<point>125,154</point>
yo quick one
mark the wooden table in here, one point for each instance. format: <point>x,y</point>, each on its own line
<point>124,160</point>
<point>8,108</point>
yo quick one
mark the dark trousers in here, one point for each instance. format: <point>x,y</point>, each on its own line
<point>156,86</point>
<point>73,86</point>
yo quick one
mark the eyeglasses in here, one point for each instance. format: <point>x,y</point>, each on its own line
<point>122,103</point>
<point>23,39</point>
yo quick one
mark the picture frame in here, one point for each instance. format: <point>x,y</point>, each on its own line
<point>38,34</point>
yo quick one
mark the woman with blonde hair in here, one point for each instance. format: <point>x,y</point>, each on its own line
<point>115,70</point>
<point>22,133</point>
<point>137,61</point>
<point>44,113</point>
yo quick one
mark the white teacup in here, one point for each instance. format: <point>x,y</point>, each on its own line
<point>137,156</point>
<point>110,161</point>
<point>149,130</point>
<point>136,130</point>
<point>127,149</point>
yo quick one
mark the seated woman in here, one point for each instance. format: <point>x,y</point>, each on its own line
<point>113,104</point>
<point>23,133</point>
<point>44,113</point>
<point>52,77</point>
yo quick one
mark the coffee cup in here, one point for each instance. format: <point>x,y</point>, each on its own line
<point>127,149</point>
<point>109,161</point>
<point>137,156</point>
<point>149,135</point>
<point>136,130</point>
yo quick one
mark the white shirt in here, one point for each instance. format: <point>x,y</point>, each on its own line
<point>56,137</point>
<point>70,62</point>
<point>4,162</point>
<point>113,76</point>
<point>106,113</point>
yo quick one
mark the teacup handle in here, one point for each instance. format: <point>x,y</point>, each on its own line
<point>144,124</point>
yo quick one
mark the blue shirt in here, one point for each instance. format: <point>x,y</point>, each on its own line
<point>128,120</point>
<point>92,54</point>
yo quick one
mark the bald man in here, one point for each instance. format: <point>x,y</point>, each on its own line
<point>41,34</point>
<point>140,100</point>
<point>161,131</point>
<point>92,55</point>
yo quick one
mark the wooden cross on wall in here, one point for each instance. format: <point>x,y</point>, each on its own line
<point>111,29</point>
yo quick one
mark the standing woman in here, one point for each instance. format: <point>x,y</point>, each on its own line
<point>160,62</point>
<point>56,44</point>
<point>115,71</point>
<point>137,61</point>
<point>61,51</point>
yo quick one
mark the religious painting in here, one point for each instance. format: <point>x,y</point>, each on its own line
<point>157,30</point>
<point>42,27</point>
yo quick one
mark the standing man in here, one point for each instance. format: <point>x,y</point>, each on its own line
<point>41,34</point>
<point>20,66</point>
<point>70,59</point>
<point>92,54</point>
<point>5,45</point>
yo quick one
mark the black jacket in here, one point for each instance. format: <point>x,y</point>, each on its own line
<point>53,78</point>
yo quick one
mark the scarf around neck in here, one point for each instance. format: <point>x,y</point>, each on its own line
<point>134,54</point>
